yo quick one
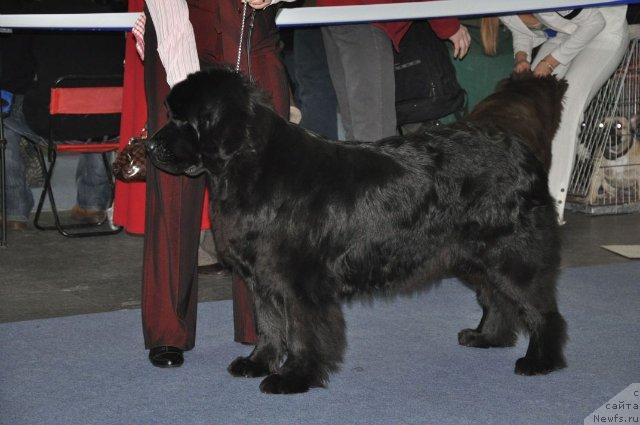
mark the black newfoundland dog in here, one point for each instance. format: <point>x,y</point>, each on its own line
<point>308,221</point>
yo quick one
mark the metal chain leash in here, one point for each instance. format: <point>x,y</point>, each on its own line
<point>244,14</point>
<point>249,34</point>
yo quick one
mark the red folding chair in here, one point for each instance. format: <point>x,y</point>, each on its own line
<point>93,98</point>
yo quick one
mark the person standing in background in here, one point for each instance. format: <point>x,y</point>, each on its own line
<point>361,65</point>
<point>315,93</point>
<point>31,64</point>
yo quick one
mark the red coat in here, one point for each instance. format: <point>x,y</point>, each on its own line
<point>129,202</point>
<point>443,27</point>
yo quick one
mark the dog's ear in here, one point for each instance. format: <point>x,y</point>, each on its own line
<point>235,108</point>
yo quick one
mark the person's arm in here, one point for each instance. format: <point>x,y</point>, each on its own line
<point>451,29</point>
<point>176,41</point>
<point>589,22</point>
<point>523,37</point>
<point>444,27</point>
<point>521,62</point>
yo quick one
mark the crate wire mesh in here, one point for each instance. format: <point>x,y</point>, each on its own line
<point>606,173</point>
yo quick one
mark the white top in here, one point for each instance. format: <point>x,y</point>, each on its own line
<point>575,33</point>
<point>176,41</point>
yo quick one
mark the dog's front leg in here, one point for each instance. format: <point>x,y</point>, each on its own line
<point>315,341</point>
<point>268,354</point>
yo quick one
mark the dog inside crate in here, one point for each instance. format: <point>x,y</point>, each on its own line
<point>607,166</point>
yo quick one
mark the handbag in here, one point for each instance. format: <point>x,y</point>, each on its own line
<point>130,163</point>
<point>426,85</point>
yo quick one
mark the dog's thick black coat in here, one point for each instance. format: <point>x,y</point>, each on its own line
<point>307,221</point>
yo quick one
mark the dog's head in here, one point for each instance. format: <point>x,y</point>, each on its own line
<point>550,85</point>
<point>208,116</point>
<point>528,106</point>
<point>545,93</point>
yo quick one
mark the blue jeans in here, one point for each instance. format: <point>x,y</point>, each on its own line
<point>315,94</point>
<point>94,190</point>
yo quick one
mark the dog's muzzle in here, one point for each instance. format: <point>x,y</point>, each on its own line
<point>159,155</point>
<point>172,150</point>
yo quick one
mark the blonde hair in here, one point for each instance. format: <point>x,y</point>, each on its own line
<point>489,27</point>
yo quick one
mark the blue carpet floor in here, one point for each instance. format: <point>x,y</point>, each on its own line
<point>403,366</point>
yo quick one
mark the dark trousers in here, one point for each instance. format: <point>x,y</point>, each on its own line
<point>173,218</point>
<point>315,94</point>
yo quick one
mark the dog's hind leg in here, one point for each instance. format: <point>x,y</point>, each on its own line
<point>546,340</point>
<point>547,330</point>
<point>269,352</point>
<point>536,304</point>
<point>315,343</point>
<point>498,326</point>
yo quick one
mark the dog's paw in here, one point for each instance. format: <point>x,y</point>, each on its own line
<point>531,366</point>
<point>284,384</point>
<point>473,338</point>
<point>244,367</point>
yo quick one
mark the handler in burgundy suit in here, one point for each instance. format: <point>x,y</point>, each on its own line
<point>174,203</point>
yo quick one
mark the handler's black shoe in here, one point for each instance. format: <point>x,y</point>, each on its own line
<point>166,356</point>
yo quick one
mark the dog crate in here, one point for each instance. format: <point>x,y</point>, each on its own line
<point>606,175</point>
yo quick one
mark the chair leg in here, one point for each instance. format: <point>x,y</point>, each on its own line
<point>47,190</point>
<point>112,180</point>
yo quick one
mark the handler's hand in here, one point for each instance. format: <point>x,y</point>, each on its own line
<point>522,63</point>
<point>522,66</point>
<point>259,4</point>
<point>461,42</point>
<point>545,66</point>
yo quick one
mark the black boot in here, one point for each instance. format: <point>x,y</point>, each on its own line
<point>166,356</point>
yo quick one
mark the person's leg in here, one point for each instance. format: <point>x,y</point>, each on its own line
<point>366,55</point>
<point>586,75</point>
<point>338,79</point>
<point>173,213</point>
<point>315,91</point>
<point>19,198</point>
<point>94,188</point>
